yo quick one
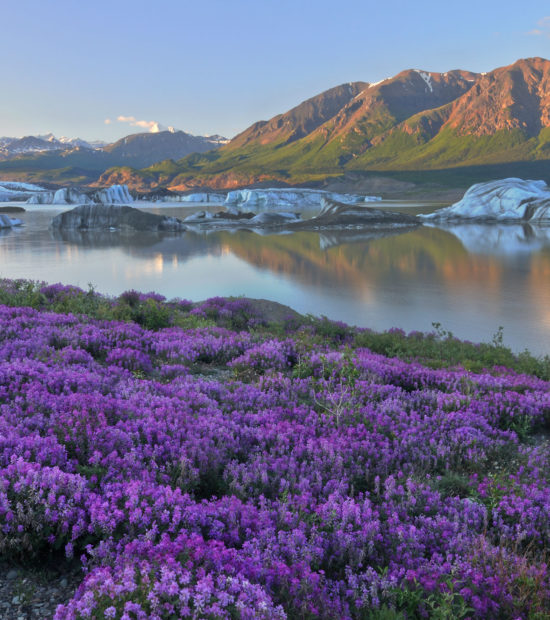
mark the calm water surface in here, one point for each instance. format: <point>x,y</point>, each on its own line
<point>469,278</point>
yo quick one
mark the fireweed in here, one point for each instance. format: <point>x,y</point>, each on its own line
<point>328,482</point>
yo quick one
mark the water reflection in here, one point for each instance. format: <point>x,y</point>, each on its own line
<point>501,239</point>
<point>470,278</point>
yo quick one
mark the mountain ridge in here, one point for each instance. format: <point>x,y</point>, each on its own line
<point>414,122</point>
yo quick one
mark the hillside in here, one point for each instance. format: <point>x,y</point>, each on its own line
<point>232,459</point>
<point>415,121</point>
<point>44,158</point>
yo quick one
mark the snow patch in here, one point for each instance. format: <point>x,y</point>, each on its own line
<point>427,77</point>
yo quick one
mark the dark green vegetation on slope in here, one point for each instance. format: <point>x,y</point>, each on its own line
<point>415,126</point>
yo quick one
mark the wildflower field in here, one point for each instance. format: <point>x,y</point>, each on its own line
<point>201,461</point>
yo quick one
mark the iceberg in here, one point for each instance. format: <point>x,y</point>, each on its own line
<point>505,200</point>
<point>207,197</point>
<point>116,194</point>
<point>8,222</point>
<point>65,196</point>
<point>13,190</point>
<point>258,200</point>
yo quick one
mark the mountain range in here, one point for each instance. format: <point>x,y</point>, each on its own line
<point>45,157</point>
<point>417,124</point>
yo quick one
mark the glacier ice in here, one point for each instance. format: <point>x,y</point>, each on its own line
<point>8,222</point>
<point>208,197</point>
<point>258,200</point>
<point>116,194</point>
<point>13,190</point>
<point>504,200</point>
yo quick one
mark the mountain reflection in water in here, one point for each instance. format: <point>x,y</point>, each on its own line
<point>470,278</point>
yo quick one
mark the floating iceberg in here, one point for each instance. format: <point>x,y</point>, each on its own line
<point>116,194</point>
<point>8,222</point>
<point>65,196</point>
<point>505,200</point>
<point>258,200</point>
<point>208,197</point>
<point>13,190</point>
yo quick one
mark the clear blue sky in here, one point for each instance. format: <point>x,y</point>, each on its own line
<point>216,66</point>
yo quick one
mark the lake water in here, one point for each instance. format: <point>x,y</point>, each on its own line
<point>469,278</point>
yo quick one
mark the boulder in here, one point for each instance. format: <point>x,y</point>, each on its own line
<point>505,200</point>
<point>116,217</point>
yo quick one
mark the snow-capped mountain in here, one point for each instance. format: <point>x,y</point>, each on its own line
<point>141,149</point>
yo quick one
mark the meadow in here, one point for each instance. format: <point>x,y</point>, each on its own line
<point>201,460</point>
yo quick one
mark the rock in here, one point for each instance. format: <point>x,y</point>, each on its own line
<point>200,216</point>
<point>505,200</point>
<point>117,217</point>
<point>272,219</point>
<point>12,574</point>
<point>12,210</point>
<point>336,214</point>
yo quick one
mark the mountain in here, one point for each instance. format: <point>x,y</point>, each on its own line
<point>301,120</point>
<point>47,158</point>
<point>415,121</point>
<point>145,149</point>
<point>418,126</point>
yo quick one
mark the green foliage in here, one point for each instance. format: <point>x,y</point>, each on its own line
<point>440,349</point>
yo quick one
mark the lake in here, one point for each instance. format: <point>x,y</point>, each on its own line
<point>470,278</point>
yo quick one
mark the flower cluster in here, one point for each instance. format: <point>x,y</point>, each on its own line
<point>333,483</point>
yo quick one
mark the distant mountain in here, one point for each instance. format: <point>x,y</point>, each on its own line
<point>14,147</point>
<point>47,158</point>
<point>415,121</point>
<point>145,149</point>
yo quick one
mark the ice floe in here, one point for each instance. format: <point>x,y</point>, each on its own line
<point>116,194</point>
<point>8,222</point>
<point>505,200</point>
<point>13,190</point>
<point>258,200</point>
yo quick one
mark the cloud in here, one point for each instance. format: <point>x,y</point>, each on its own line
<point>152,126</point>
<point>542,29</point>
<point>107,121</point>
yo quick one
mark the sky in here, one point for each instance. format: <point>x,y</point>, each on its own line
<point>108,68</point>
